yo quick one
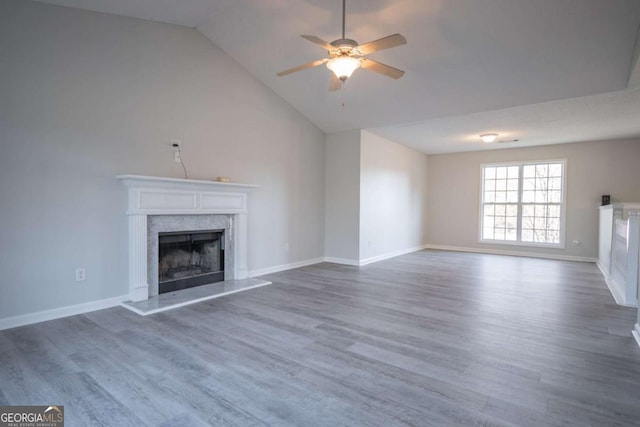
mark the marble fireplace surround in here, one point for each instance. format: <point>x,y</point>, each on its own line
<point>158,204</point>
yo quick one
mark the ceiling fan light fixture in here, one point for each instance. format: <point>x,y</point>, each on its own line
<point>343,66</point>
<point>489,137</point>
<point>347,55</point>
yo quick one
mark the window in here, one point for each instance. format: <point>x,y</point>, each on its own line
<point>523,203</point>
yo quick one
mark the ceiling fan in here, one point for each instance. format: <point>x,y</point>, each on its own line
<point>346,55</point>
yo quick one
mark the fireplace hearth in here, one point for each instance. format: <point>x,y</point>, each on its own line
<point>190,258</point>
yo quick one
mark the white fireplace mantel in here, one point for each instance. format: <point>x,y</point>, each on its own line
<point>149,195</point>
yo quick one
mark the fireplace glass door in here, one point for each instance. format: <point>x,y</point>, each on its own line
<point>188,259</point>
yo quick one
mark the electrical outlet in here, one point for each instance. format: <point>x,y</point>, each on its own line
<point>576,243</point>
<point>81,274</point>
<point>176,147</point>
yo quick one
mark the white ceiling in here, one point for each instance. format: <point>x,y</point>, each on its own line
<point>468,63</point>
<point>613,115</point>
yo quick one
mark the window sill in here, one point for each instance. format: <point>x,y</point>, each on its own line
<point>522,244</point>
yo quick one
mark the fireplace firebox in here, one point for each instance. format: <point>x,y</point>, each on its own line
<point>188,259</point>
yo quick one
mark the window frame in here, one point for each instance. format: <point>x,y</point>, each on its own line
<point>520,204</point>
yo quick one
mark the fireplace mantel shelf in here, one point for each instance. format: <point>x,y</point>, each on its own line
<point>154,195</point>
<point>156,181</point>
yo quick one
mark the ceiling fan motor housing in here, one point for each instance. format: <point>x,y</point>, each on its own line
<point>346,44</point>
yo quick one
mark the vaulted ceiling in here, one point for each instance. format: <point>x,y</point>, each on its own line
<point>528,69</point>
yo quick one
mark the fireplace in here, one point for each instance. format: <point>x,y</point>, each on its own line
<point>190,258</point>
<point>180,233</point>
<point>167,205</point>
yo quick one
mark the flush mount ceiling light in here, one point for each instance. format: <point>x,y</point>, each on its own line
<point>489,137</point>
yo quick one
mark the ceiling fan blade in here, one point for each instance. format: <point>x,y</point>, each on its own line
<point>335,84</point>
<point>380,68</point>
<point>318,41</point>
<point>383,43</point>
<point>302,67</point>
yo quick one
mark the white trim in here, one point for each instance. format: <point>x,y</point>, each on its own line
<point>371,260</point>
<point>153,181</point>
<point>615,291</point>
<point>618,293</point>
<point>601,268</point>
<point>57,313</point>
<point>520,204</point>
<point>511,253</point>
<point>520,244</point>
<point>391,255</point>
<point>284,267</point>
<point>636,333</point>
<point>72,310</point>
<point>345,261</point>
<point>622,205</point>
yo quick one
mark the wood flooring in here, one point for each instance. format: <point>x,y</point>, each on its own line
<point>429,338</point>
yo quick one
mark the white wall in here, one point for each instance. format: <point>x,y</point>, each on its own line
<point>593,169</point>
<point>342,197</point>
<point>86,96</point>
<point>376,196</point>
<point>393,197</point>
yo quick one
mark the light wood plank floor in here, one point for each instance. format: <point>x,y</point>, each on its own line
<point>429,338</point>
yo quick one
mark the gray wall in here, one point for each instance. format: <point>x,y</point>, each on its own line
<point>376,197</point>
<point>342,183</point>
<point>87,96</point>
<point>393,197</point>
<point>593,169</point>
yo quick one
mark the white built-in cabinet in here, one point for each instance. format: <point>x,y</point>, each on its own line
<point>618,252</point>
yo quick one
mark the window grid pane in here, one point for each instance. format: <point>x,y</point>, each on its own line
<point>500,222</point>
<point>541,223</point>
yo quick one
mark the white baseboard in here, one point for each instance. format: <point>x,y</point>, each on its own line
<point>602,270</point>
<point>365,261</point>
<point>636,333</point>
<point>57,313</point>
<point>345,261</point>
<point>511,253</point>
<point>393,254</point>
<point>72,310</point>
<point>283,267</point>
<point>615,290</point>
